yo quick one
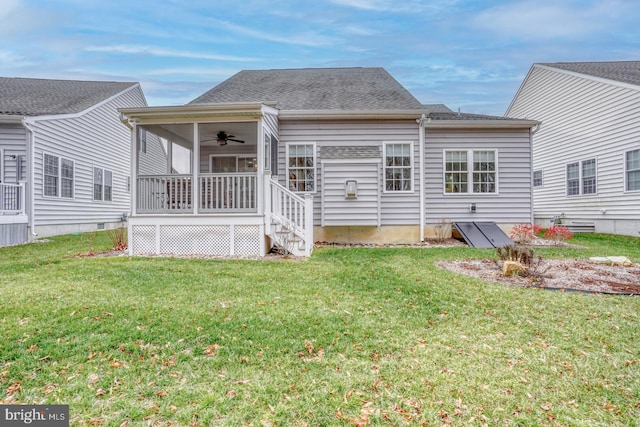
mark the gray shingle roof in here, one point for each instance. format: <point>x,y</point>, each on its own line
<point>451,115</point>
<point>622,71</point>
<point>36,97</point>
<point>314,89</point>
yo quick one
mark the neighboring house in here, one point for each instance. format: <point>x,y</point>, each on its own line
<point>340,155</point>
<point>64,156</point>
<point>586,154</point>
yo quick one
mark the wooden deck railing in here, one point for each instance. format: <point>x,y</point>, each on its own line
<point>172,194</point>
<point>12,199</point>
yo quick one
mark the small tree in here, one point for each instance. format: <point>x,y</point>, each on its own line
<point>558,234</point>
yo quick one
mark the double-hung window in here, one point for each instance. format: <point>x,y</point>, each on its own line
<point>537,178</point>
<point>58,177</point>
<point>632,170</point>
<point>581,178</point>
<point>398,168</point>
<point>102,184</point>
<point>470,171</point>
<point>301,167</point>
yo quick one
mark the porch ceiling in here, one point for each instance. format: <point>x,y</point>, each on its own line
<point>182,133</point>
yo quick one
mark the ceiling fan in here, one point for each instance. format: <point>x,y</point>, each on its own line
<point>223,138</point>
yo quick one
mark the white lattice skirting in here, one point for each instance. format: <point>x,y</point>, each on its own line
<point>194,240</point>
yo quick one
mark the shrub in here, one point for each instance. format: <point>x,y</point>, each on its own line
<point>443,230</point>
<point>524,233</point>
<point>525,256</point>
<point>118,237</point>
<point>558,234</point>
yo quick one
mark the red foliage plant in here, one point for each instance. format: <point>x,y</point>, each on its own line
<point>524,233</point>
<point>557,234</point>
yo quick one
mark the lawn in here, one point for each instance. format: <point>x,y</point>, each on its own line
<point>351,336</point>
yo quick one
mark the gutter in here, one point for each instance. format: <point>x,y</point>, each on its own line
<point>29,125</point>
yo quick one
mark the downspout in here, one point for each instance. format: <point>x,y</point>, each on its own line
<point>532,131</point>
<point>422,130</point>
<point>29,125</point>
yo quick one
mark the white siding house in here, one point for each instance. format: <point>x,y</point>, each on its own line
<point>586,154</point>
<point>340,155</point>
<point>65,156</point>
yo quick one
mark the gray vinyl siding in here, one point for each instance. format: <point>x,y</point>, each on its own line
<point>395,208</point>
<point>365,208</point>
<point>270,123</point>
<point>13,142</point>
<point>512,202</point>
<point>95,138</point>
<point>582,119</point>
<point>154,160</point>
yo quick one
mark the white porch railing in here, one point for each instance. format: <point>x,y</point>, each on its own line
<point>12,199</point>
<point>228,192</point>
<point>172,194</point>
<point>164,194</point>
<point>289,218</point>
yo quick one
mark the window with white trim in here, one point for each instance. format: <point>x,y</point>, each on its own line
<point>589,176</point>
<point>398,167</point>
<point>142,138</point>
<point>470,171</point>
<point>537,178</point>
<point>301,167</point>
<point>59,177</point>
<point>632,170</point>
<point>581,178</point>
<point>102,184</point>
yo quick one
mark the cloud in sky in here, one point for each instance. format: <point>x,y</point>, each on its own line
<point>542,21</point>
<point>467,53</point>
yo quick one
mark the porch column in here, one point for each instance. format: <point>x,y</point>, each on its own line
<point>195,184</point>
<point>134,170</point>
<point>260,171</point>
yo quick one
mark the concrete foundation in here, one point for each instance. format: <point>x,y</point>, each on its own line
<point>57,230</point>
<point>625,227</point>
<point>390,234</point>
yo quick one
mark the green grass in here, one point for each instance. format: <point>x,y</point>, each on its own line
<point>352,335</point>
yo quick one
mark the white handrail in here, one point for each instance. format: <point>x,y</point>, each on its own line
<point>12,199</point>
<point>291,211</point>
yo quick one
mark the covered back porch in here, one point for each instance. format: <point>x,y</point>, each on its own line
<point>203,183</point>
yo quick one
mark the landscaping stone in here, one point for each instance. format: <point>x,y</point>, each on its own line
<point>512,268</point>
<point>611,260</point>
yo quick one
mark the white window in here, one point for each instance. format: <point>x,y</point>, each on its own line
<point>102,184</point>
<point>537,178</point>
<point>301,167</point>
<point>581,178</point>
<point>589,176</point>
<point>470,171</point>
<point>142,138</point>
<point>267,151</point>
<point>632,170</point>
<point>59,177</point>
<point>398,168</point>
<point>232,164</point>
